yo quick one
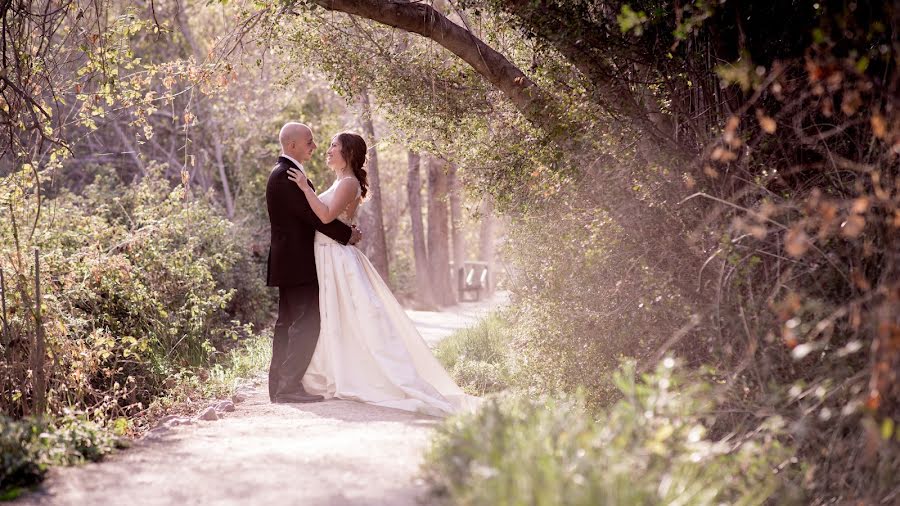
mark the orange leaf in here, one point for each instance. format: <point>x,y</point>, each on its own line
<point>758,231</point>
<point>766,122</point>
<point>796,242</point>
<point>860,205</point>
<point>853,226</point>
<point>723,155</point>
<point>851,102</point>
<point>874,400</point>
<point>731,124</point>
<point>879,126</point>
<point>859,279</point>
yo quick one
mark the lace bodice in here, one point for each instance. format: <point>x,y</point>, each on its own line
<point>345,215</point>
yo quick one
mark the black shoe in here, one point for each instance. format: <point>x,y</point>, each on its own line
<point>295,397</point>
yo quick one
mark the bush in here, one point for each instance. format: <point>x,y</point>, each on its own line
<point>140,282</point>
<point>652,447</point>
<point>479,358</point>
<point>28,447</point>
<point>582,303</point>
<point>19,459</point>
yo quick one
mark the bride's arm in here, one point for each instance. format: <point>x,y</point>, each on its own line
<point>343,195</point>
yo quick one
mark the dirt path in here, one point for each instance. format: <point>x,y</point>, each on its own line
<point>329,453</point>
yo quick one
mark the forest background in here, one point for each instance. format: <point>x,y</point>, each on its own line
<point>699,203</point>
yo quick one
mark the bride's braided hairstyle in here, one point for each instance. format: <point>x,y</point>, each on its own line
<point>353,150</point>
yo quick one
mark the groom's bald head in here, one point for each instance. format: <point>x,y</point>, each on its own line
<point>297,141</point>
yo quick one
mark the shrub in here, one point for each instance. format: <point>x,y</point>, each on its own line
<point>19,460</point>
<point>582,303</point>
<point>653,446</point>
<point>140,282</point>
<point>28,447</point>
<point>479,358</point>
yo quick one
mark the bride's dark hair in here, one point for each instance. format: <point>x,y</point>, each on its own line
<point>353,150</point>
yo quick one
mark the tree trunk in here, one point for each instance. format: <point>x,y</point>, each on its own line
<point>486,242</point>
<point>438,240</point>
<point>204,113</point>
<point>372,220</point>
<point>456,231</point>
<point>424,295</point>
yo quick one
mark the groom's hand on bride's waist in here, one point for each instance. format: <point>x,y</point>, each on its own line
<point>355,235</point>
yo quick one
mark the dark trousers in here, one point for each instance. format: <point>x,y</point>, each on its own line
<point>296,335</point>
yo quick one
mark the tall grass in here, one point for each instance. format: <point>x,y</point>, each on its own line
<point>480,358</point>
<point>652,447</point>
<point>245,362</point>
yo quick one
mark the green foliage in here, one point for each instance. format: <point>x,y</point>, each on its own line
<point>403,273</point>
<point>582,303</point>
<point>652,447</point>
<point>139,281</point>
<point>243,362</point>
<point>479,358</point>
<point>28,447</point>
<point>19,466</point>
<point>74,438</point>
<point>629,20</point>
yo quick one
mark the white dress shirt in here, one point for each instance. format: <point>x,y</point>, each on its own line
<point>298,164</point>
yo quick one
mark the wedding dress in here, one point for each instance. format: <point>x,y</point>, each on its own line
<point>368,349</point>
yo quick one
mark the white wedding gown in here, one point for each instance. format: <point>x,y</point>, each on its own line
<point>368,349</point>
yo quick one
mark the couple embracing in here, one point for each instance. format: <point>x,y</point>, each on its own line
<point>340,331</point>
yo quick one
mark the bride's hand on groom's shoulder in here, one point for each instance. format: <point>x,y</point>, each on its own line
<point>298,177</point>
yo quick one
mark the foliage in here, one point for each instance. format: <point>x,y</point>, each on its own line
<point>20,467</point>
<point>479,358</point>
<point>789,278</point>
<point>715,179</point>
<point>30,446</point>
<point>250,358</point>
<point>139,282</point>
<point>652,447</point>
<point>564,253</point>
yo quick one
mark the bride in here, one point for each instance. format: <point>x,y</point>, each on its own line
<point>368,349</point>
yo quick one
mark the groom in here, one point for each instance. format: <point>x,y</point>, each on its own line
<point>292,267</point>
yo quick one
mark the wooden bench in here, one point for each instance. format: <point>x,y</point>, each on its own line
<point>472,277</point>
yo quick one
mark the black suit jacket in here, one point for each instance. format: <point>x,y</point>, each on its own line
<point>294,224</point>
